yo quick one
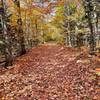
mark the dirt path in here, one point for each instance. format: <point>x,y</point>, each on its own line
<point>51,72</point>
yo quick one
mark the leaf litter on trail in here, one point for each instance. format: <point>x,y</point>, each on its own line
<point>51,72</point>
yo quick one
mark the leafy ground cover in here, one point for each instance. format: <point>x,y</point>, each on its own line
<point>51,72</point>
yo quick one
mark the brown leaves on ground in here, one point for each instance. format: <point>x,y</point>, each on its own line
<point>51,72</point>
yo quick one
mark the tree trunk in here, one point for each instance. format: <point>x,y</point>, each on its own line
<point>92,44</point>
<point>20,31</point>
<point>91,26</point>
<point>97,21</point>
<point>7,50</point>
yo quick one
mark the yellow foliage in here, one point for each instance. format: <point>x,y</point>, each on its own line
<point>13,20</point>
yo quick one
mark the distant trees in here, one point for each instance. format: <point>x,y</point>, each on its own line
<point>73,22</point>
<point>78,21</point>
<point>69,22</point>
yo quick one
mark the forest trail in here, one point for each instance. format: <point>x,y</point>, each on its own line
<point>51,72</point>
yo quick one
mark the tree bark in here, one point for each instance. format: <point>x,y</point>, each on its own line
<point>89,10</point>
<point>7,50</point>
<point>21,39</point>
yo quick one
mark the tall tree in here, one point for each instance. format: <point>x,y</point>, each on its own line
<point>89,10</point>
<point>7,50</point>
<point>21,39</point>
